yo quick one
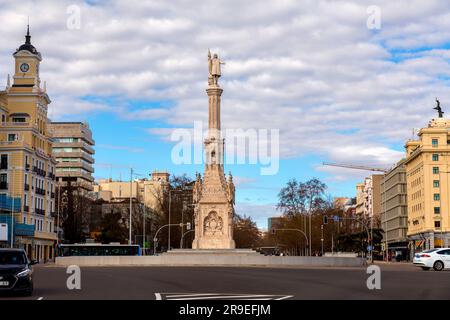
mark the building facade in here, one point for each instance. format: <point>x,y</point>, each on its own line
<point>73,151</point>
<point>427,166</point>
<point>150,192</point>
<point>394,206</point>
<point>368,198</point>
<point>27,172</point>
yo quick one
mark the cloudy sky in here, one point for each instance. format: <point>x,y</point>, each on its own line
<point>335,89</point>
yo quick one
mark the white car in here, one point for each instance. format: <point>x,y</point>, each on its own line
<point>438,259</point>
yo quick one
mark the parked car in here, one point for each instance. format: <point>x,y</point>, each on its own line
<point>438,259</point>
<point>16,272</point>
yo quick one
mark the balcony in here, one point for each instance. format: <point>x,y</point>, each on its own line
<point>39,211</point>
<point>3,185</point>
<point>27,167</point>
<point>40,191</point>
<point>26,187</point>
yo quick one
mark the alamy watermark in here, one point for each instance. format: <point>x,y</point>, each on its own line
<point>373,21</point>
<point>230,146</point>
<point>374,280</point>
<point>74,280</point>
<point>74,17</point>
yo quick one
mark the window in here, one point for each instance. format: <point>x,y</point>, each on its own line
<point>18,120</point>
<point>437,224</point>
<point>12,136</point>
<point>434,143</point>
<point>437,197</point>
<point>4,161</point>
<point>436,183</point>
<point>444,252</point>
<point>437,210</point>
<point>435,157</point>
<point>3,118</point>
<point>435,170</point>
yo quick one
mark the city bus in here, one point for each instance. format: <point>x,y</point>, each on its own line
<point>68,250</point>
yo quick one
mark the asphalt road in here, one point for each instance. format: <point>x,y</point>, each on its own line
<point>399,281</point>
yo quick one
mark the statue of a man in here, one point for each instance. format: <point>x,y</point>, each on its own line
<point>214,68</point>
<point>438,108</point>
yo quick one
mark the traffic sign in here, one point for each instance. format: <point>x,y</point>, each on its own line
<point>336,218</point>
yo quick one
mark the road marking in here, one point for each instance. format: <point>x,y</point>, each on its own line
<point>40,298</point>
<point>219,296</point>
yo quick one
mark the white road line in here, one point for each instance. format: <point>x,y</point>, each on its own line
<point>40,298</point>
<point>158,296</point>
<point>221,297</point>
<point>192,295</point>
<point>283,298</point>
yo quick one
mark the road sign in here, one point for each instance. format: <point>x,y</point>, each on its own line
<point>336,218</point>
<point>3,232</point>
<point>369,248</point>
<point>188,226</point>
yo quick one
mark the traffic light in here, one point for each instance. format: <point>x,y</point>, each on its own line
<point>325,220</point>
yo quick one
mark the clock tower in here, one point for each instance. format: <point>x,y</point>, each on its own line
<point>27,58</point>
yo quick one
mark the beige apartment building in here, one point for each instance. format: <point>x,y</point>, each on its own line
<point>394,206</point>
<point>368,197</point>
<point>146,191</point>
<point>73,151</point>
<point>27,169</point>
<point>427,174</point>
<point>359,207</point>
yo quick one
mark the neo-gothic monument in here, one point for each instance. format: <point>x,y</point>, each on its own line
<point>214,194</point>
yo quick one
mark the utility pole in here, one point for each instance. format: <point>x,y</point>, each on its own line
<point>321,239</point>
<point>131,203</point>
<point>170,201</point>
<point>143,232</point>
<point>12,206</point>
<point>58,209</point>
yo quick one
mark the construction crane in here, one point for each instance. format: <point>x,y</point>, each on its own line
<point>352,166</point>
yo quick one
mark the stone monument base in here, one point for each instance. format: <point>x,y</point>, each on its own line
<point>213,243</point>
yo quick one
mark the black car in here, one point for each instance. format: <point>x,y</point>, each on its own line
<point>16,273</point>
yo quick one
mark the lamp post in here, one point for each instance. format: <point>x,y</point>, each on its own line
<point>12,206</point>
<point>143,230</point>
<point>131,204</point>
<point>58,210</point>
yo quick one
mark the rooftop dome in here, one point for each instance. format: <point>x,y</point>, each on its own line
<point>27,45</point>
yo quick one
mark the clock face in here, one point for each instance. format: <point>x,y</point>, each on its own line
<point>24,67</point>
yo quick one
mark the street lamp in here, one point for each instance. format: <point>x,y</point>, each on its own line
<point>12,205</point>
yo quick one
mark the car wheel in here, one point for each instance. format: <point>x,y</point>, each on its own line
<point>426,268</point>
<point>438,266</point>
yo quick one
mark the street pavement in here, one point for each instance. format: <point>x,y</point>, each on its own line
<point>398,281</point>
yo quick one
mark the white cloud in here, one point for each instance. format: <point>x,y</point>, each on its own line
<point>312,70</point>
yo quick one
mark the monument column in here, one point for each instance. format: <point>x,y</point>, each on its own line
<point>214,195</point>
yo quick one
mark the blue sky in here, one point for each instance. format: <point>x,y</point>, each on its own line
<point>336,90</point>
